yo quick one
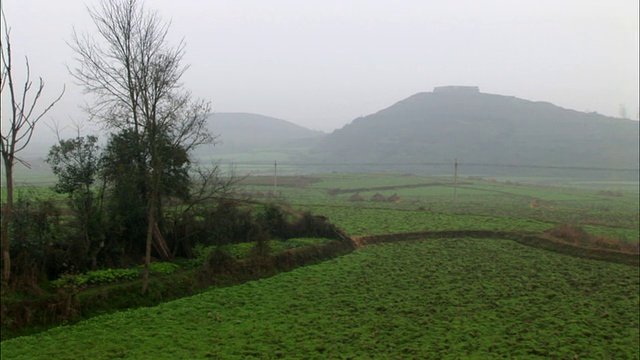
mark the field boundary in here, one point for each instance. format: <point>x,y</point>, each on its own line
<point>545,242</point>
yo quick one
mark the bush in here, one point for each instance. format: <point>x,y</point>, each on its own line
<point>36,230</point>
<point>220,261</point>
<point>261,237</point>
<point>309,225</point>
<point>227,224</point>
<point>96,277</point>
<point>161,268</point>
<point>274,221</point>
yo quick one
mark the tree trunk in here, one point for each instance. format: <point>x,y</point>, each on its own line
<point>160,244</point>
<point>7,213</point>
<point>150,228</point>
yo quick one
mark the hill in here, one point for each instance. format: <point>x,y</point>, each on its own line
<point>248,136</point>
<point>480,128</point>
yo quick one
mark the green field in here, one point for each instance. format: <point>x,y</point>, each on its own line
<point>427,203</point>
<point>422,299</point>
<point>439,299</point>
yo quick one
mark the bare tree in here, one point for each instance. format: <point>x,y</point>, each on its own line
<point>134,75</point>
<point>16,130</point>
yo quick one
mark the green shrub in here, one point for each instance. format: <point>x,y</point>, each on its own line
<point>227,224</point>
<point>96,277</point>
<point>65,281</point>
<point>309,225</point>
<point>162,268</point>
<point>261,237</point>
<point>294,243</point>
<point>200,253</point>
<point>273,220</point>
<point>220,261</point>
<point>238,251</point>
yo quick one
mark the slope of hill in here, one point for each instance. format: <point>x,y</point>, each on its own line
<point>474,127</point>
<point>249,135</point>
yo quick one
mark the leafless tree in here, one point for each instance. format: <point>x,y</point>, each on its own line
<point>134,75</point>
<point>17,129</point>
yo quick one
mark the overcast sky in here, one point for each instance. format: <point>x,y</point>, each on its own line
<point>320,64</point>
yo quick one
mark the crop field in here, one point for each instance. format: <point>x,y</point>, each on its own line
<point>439,299</point>
<point>427,203</point>
<point>374,221</point>
<point>419,299</point>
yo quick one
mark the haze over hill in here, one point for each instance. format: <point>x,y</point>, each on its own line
<point>244,133</point>
<point>474,127</point>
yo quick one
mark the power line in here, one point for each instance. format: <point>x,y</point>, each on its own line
<point>389,164</point>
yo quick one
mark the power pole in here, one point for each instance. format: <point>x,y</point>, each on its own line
<point>275,178</point>
<point>455,182</point>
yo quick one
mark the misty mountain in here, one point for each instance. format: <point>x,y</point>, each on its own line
<point>243,133</point>
<point>474,127</point>
<point>236,133</point>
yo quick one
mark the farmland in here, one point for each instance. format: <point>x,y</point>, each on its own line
<point>460,297</point>
<point>426,203</point>
<point>475,298</point>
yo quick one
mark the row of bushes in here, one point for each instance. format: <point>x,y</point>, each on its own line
<point>49,244</point>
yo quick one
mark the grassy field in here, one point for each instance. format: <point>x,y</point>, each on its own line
<point>449,298</point>
<point>439,299</point>
<point>427,203</point>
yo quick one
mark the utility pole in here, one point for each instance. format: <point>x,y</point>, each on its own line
<point>455,182</point>
<point>275,178</point>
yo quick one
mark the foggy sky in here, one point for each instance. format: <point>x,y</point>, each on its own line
<point>320,64</point>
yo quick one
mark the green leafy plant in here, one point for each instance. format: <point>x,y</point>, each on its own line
<point>437,298</point>
<point>162,268</point>
<point>96,277</point>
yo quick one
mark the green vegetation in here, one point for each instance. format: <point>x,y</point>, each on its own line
<point>510,278</point>
<point>107,276</point>
<point>412,299</point>
<point>244,250</point>
<point>372,221</point>
<point>451,298</point>
<point>426,203</point>
<point>96,277</point>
